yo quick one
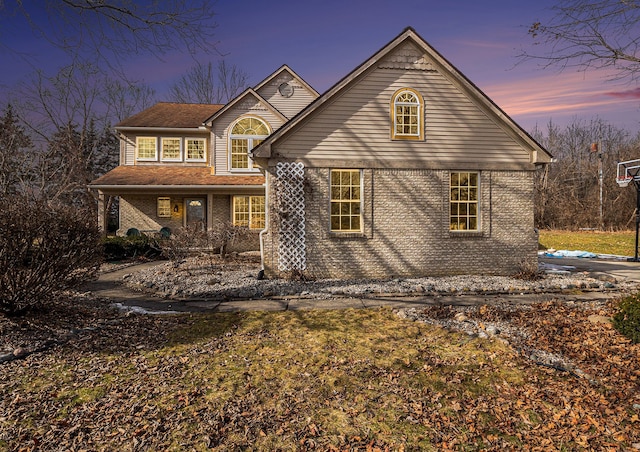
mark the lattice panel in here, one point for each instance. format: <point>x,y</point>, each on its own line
<point>290,201</point>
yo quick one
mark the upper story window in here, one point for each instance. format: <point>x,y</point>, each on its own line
<point>463,202</point>
<point>407,115</point>
<point>171,149</point>
<point>196,149</point>
<point>147,148</point>
<point>246,134</point>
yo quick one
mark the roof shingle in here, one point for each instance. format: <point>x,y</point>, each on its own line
<point>171,115</point>
<point>171,176</point>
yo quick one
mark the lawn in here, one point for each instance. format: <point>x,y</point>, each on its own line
<point>323,380</point>
<point>621,243</point>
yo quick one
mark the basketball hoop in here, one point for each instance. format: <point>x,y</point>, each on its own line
<point>624,181</point>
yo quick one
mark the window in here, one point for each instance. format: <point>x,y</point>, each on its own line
<point>171,149</point>
<point>196,149</point>
<point>407,115</point>
<point>245,135</point>
<point>164,207</point>
<point>346,211</point>
<point>249,211</point>
<point>464,202</point>
<point>146,147</point>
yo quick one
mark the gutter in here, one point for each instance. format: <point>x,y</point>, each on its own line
<point>117,187</point>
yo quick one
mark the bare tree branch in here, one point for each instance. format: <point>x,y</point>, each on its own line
<point>584,34</point>
<point>202,85</point>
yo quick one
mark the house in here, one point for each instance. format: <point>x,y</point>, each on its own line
<point>403,168</point>
<point>188,164</point>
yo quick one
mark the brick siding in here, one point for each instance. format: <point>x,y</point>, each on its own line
<point>406,227</point>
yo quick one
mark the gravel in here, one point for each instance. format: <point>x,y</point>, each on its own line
<point>237,278</point>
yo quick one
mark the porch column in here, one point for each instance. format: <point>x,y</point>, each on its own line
<point>102,214</point>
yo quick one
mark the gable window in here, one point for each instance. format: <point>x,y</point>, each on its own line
<point>246,134</point>
<point>407,115</point>
<point>249,211</point>
<point>171,149</point>
<point>464,202</point>
<point>196,149</point>
<point>164,207</point>
<point>146,148</point>
<point>346,207</point>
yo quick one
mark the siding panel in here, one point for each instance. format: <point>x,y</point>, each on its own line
<point>356,125</point>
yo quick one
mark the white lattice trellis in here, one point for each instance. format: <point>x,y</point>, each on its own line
<point>290,196</point>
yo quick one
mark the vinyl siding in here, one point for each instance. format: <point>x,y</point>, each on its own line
<point>288,106</point>
<point>356,125</point>
<point>249,107</point>
<point>129,144</point>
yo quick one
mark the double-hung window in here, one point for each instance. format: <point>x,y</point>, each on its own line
<point>246,134</point>
<point>407,115</point>
<point>346,200</point>
<point>464,211</point>
<point>249,211</point>
<point>171,149</point>
<point>146,148</point>
<point>196,149</point>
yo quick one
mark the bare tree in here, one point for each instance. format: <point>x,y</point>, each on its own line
<point>112,28</point>
<point>590,34</point>
<point>202,84</point>
<point>124,98</point>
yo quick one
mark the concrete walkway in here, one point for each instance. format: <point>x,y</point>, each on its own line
<point>110,286</point>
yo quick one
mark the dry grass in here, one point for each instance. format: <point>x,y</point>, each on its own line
<point>620,243</point>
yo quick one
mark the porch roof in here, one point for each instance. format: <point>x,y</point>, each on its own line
<point>175,176</point>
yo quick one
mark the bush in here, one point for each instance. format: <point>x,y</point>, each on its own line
<point>118,248</point>
<point>44,250</point>
<point>190,240</point>
<point>627,319</point>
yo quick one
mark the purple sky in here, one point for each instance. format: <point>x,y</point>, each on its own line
<point>324,40</point>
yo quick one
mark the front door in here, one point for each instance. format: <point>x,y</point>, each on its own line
<point>196,212</point>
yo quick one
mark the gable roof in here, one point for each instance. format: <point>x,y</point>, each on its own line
<point>170,115</point>
<point>246,93</point>
<point>280,70</point>
<point>539,154</point>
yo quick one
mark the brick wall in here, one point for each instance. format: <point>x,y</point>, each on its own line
<point>406,227</point>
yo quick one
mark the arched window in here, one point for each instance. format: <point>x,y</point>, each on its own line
<point>246,134</point>
<point>407,113</point>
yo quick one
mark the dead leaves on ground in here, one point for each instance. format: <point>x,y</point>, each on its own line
<point>326,380</point>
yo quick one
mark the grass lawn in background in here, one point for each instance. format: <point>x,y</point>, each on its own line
<point>621,243</point>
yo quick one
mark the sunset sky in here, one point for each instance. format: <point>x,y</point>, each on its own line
<point>324,40</point>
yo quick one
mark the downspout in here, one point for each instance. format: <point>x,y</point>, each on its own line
<point>266,224</point>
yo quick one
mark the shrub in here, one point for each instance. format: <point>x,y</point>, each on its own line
<point>627,318</point>
<point>190,240</point>
<point>118,248</point>
<point>45,249</point>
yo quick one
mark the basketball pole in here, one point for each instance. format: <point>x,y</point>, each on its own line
<point>637,185</point>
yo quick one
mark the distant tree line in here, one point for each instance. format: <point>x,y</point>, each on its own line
<point>567,191</point>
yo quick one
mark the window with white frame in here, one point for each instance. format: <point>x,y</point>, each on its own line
<point>171,149</point>
<point>146,148</point>
<point>164,207</point>
<point>346,200</point>
<point>407,115</point>
<point>245,134</point>
<point>463,204</point>
<point>249,211</point>
<point>196,149</point>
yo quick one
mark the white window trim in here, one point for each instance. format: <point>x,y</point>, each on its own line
<point>162,157</point>
<point>250,145</point>
<point>186,149</point>
<point>146,159</point>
